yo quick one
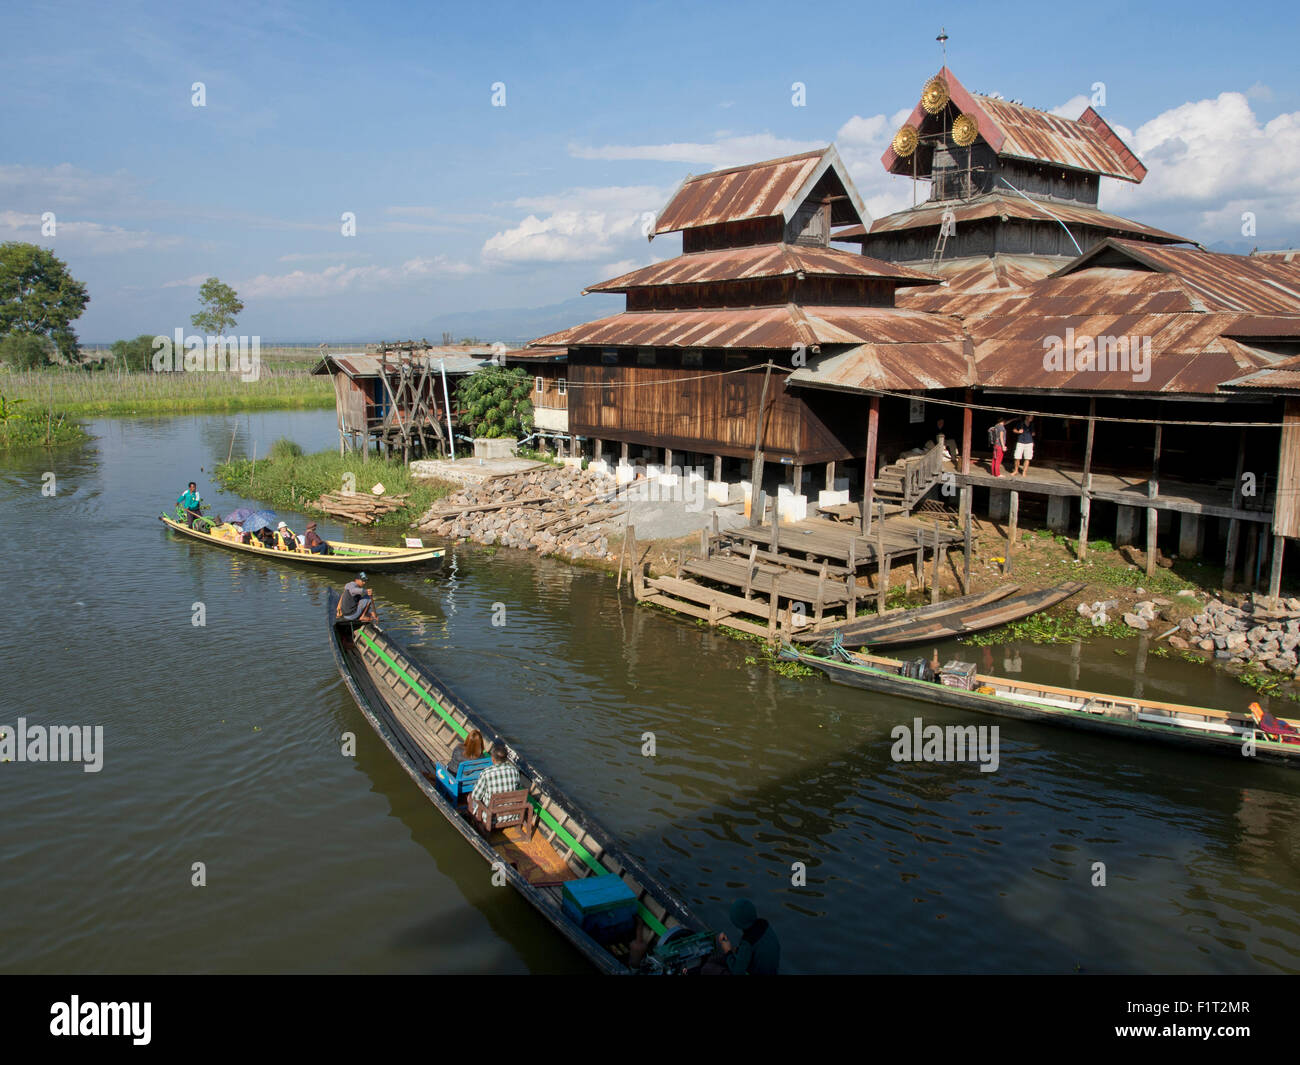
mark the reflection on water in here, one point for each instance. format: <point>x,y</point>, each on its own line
<point>223,746</point>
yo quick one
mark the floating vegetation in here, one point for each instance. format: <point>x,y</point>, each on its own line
<point>1048,628</point>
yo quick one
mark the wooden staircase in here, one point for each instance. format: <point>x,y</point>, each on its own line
<point>905,483</point>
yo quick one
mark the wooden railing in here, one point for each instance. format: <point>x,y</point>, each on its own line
<point>920,473</point>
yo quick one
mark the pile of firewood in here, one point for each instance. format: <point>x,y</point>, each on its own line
<point>360,508</point>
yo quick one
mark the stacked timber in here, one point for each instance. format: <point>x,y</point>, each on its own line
<point>359,508</point>
<point>552,510</point>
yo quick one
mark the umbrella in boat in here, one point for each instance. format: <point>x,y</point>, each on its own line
<point>259,519</point>
<point>238,517</point>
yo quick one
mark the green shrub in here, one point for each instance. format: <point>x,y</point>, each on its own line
<point>285,450</point>
<point>26,351</point>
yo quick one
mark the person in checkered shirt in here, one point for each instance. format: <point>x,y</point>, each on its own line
<point>501,775</point>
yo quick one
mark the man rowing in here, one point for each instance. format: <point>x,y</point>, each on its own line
<point>356,600</point>
<point>190,501</point>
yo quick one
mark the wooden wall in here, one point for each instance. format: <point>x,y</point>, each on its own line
<point>1286,512</point>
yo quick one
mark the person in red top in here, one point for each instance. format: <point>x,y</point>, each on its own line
<point>998,434</point>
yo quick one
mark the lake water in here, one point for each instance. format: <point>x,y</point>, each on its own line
<point>222,746</point>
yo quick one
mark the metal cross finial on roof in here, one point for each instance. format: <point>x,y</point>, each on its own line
<point>943,43</point>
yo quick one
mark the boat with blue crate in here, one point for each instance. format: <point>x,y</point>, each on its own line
<point>553,854</point>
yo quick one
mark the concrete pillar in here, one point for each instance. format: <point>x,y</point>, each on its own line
<point>1190,535</point>
<point>999,504</point>
<point>1058,513</point>
<point>1128,523</point>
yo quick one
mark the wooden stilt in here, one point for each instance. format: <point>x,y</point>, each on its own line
<point>966,421</point>
<point>934,573</point>
<point>773,609</point>
<point>749,569</point>
<point>1012,518</point>
<point>1275,573</point>
<point>1234,526</point>
<point>853,578</point>
<point>1085,499</point>
<point>817,609</point>
<point>717,467</point>
<point>756,471</point>
<point>882,563</point>
<point>1252,546</point>
<point>919,565</point>
<point>965,580</point>
<point>830,476</point>
<point>1153,516</point>
<point>869,465</point>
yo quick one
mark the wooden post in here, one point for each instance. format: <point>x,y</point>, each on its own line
<point>668,459</point>
<point>821,581</point>
<point>756,470</point>
<point>882,563</point>
<point>967,418</point>
<point>1252,542</point>
<point>830,476</point>
<point>1234,526</point>
<point>1153,516</point>
<point>622,555</point>
<point>1085,498</point>
<point>1012,518</point>
<point>919,565</point>
<point>622,452</point>
<point>853,577</point>
<point>934,573</point>
<point>1275,575</point>
<point>773,608</point>
<point>775,529</point>
<point>869,467</point>
<point>704,543</point>
<point>749,569</point>
<point>681,560</point>
<point>599,446</point>
<point>717,468</point>
<point>965,580</point>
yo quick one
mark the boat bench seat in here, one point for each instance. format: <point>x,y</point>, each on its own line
<point>506,809</point>
<point>461,783</point>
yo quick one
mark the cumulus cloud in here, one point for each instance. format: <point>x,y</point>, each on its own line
<point>861,141</point>
<point>724,151</point>
<point>580,225</point>
<point>1210,161</point>
<point>340,278</point>
<point>1073,107</point>
<point>88,238</point>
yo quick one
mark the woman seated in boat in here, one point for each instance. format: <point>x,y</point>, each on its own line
<point>266,537</point>
<point>312,542</point>
<point>285,538</point>
<point>466,752</point>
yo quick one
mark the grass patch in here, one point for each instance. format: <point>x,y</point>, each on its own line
<point>86,393</point>
<point>22,425</point>
<point>1048,628</point>
<point>294,481</point>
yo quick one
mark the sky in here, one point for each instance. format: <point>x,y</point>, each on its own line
<point>391,114</point>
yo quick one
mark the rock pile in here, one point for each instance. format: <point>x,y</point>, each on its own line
<point>553,510</point>
<point>1266,631</point>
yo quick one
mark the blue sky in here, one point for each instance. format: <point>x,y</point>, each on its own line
<point>385,110</point>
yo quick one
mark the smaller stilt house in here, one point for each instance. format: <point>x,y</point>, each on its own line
<point>694,371</point>
<point>401,398</point>
<point>549,369</point>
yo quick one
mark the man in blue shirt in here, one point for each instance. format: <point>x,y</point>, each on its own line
<point>191,501</point>
<point>1024,446</point>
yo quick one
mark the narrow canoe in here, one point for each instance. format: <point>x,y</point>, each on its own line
<point>960,620</point>
<point>1192,727</point>
<point>346,556</point>
<point>860,631</point>
<point>420,720</point>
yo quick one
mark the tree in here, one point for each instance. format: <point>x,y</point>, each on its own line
<point>26,351</point>
<point>497,402</point>
<point>134,354</point>
<point>39,297</point>
<point>220,307</point>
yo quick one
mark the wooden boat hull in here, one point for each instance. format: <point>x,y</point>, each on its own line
<point>960,621</point>
<point>860,632</point>
<point>349,556</point>
<point>873,673</point>
<point>378,691</point>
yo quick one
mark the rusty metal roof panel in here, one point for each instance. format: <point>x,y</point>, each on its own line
<point>998,205</point>
<point>888,367</point>
<point>783,326</point>
<point>361,365</point>
<point>761,261</point>
<point>1040,136</point>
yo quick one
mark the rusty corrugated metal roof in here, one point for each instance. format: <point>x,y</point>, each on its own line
<point>768,189</point>
<point>781,327</point>
<point>977,275</point>
<point>997,205</point>
<point>362,365</point>
<point>1220,282</point>
<point>897,366</point>
<point>761,261</point>
<point>1087,143</point>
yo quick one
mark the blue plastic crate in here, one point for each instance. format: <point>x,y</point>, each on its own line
<point>604,906</point>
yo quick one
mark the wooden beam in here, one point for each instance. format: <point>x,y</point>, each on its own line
<point>1275,574</point>
<point>967,419</point>
<point>869,466</point>
<point>1012,518</point>
<point>756,470</point>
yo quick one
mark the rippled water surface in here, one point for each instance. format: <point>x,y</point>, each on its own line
<point>222,746</point>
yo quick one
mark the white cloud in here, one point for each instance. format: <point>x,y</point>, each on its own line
<point>861,142</point>
<point>340,278</point>
<point>1210,161</point>
<point>1073,107</point>
<point>89,238</point>
<point>724,151</point>
<point>579,225</point>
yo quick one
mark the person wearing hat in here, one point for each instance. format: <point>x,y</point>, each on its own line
<point>288,538</point>
<point>356,599</point>
<point>312,542</point>
<point>757,954</point>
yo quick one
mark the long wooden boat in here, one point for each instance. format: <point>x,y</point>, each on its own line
<point>943,621</point>
<point>1193,727</point>
<point>346,556</point>
<point>420,720</point>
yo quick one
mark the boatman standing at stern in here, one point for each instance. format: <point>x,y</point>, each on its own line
<point>757,954</point>
<point>190,501</point>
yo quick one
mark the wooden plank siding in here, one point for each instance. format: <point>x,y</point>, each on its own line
<point>550,375</point>
<point>1286,506</point>
<point>700,409</point>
